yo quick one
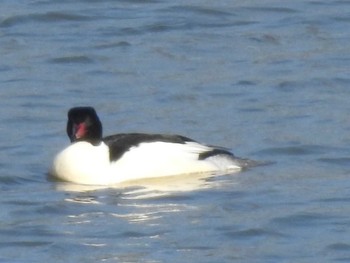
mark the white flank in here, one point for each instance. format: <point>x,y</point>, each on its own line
<point>84,163</point>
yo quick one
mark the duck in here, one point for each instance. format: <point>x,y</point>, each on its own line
<point>92,159</point>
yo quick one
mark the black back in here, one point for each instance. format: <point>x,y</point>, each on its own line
<point>121,143</point>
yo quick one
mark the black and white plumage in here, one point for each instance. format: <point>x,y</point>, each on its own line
<point>94,160</point>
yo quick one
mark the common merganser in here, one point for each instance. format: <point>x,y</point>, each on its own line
<point>95,160</point>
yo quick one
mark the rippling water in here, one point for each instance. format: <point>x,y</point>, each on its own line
<point>268,79</point>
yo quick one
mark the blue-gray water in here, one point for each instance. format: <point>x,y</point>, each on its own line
<point>268,79</point>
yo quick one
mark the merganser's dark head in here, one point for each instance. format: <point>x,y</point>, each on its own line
<point>84,125</point>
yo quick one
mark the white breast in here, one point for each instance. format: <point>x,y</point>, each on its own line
<point>83,163</point>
